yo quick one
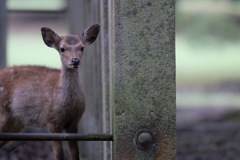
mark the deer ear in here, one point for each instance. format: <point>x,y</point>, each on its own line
<point>90,34</point>
<point>50,38</point>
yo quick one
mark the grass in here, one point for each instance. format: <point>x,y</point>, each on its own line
<point>207,53</point>
<point>203,67</point>
<point>207,43</point>
<point>36,5</point>
<point>29,49</point>
<point>198,65</point>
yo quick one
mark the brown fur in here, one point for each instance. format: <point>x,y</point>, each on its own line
<point>71,40</point>
<point>43,97</point>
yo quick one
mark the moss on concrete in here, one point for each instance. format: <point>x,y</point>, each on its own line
<point>144,77</point>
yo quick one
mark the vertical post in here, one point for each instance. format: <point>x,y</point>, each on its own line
<point>106,74</point>
<point>144,80</point>
<point>83,14</point>
<point>3,15</point>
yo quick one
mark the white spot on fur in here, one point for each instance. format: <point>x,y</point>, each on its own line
<point>1,89</point>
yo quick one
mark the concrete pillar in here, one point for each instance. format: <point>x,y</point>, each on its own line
<point>144,80</point>
<point>3,15</point>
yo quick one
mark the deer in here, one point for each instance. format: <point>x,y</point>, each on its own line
<point>39,96</point>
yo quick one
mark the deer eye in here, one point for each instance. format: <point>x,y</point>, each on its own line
<point>62,49</point>
<point>82,49</point>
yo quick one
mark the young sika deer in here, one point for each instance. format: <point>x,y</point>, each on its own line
<point>43,97</point>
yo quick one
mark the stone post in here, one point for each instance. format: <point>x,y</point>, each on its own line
<point>144,80</point>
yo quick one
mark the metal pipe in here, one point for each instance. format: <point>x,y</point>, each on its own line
<point>54,137</point>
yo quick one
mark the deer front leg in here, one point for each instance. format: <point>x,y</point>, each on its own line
<point>58,150</point>
<point>8,125</point>
<point>57,145</point>
<point>73,145</point>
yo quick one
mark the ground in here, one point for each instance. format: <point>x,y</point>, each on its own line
<point>209,140</point>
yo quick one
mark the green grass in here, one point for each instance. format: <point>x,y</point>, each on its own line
<point>207,64</point>
<point>36,5</point>
<point>197,99</point>
<point>207,53</point>
<point>29,49</point>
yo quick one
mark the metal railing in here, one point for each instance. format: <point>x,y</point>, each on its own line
<point>54,137</point>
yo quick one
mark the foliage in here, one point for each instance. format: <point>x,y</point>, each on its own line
<point>208,28</point>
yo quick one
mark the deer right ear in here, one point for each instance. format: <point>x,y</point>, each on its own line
<point>50,38</point>
<point>90,34</point>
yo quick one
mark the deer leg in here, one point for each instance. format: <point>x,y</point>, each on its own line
<point>58,150</point>
<point>57,145</point>
<point>7,125</point>
<point>73,145</point>
<point>6,122</point>
<point>3,129</point>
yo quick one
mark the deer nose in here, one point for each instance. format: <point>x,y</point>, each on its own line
<point>75,61</point>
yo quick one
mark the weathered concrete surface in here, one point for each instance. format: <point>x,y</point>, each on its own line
<point>144,78</point>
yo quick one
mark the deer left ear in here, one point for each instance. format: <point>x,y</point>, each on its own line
<point>50,38</point>
<point>90,34</point>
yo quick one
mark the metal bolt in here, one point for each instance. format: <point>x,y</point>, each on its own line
<point>144,139</point>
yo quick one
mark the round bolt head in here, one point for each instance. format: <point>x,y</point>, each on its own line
<point>144,139</point>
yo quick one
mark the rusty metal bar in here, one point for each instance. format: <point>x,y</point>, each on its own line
<point>54,136</point>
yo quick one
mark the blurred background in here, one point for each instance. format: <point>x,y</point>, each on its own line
<point>21,21</point>
<point>24,21</point>
<point>207,72</point>
<point>208,79</point>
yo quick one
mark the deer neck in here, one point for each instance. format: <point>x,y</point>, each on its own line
<point>70,85</point>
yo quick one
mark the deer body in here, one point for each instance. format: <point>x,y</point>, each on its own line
<point>43,97</point>
<point>38,93</point>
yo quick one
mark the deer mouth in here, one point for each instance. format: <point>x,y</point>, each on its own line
<point>75,66</point>
<point>75,62</point>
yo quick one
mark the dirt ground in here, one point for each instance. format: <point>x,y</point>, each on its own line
<point>27,151</point>
<point>208,134</point>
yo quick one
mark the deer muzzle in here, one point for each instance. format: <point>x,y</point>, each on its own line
<point>75,62</point>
